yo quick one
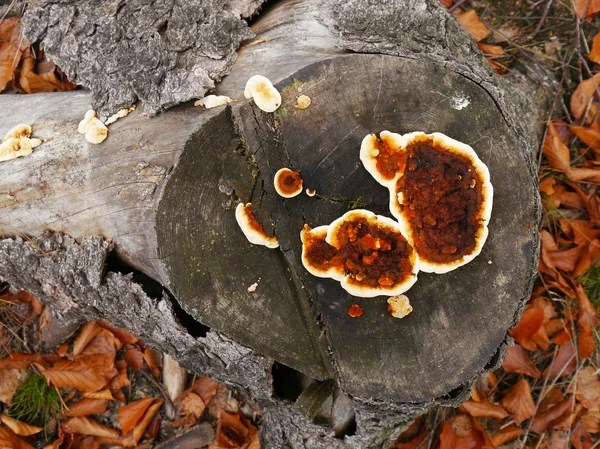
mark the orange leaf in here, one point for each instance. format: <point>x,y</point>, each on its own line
<point>88,333</point>
<point>102,394</point>
<point>484,408</point>
<point>589,136</point>
<point>564,363</point>
<point>446,3</point>
<point>586,344</point>
<point>458,433</point>
<point>89,443</point>
<point>544,421</point>
<point>19,427</point>
<point>204,387</point>
<point>584,94</point>
<point>517,361</point>
<point>153,427</point>
<point>86,373</point>
<point>541,338</point>
<point>18,360</point>
<point>581,438</point>
<point>122,379</point>
<point>124,337</point>
<point>9,440</point>
<point>567,260</point>
<point>591,420</point>
<point>588,388</point>
<point>87,407</point>
<point>102,344</point>
<point>492,50</point>
<point>553,327</point>
<point>150,358</point>
<point>594,55</point>
<point>134,357</point>
<point>473,25</point>
<point>10,379</point>
<point>530,323</point>
<point>193,405</point>
<point>119,396</point>
<point>583,174</point>
<point>556,152</point>
<point>587,8</point>
<point>130,414</point>
<point>505,435</point>
<point>230,432</point>
<point>551,398</point>
<point>518,402</point>
<point>563,337</point>
<point>86,426</point>
<point>587,312</point>
<point>142,425</point>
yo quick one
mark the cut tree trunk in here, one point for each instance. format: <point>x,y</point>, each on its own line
<point>161,192</point>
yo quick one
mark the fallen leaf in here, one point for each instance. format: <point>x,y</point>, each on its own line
<point>90,331</point>
<point>87,407</point>
<point>88,443</point>
<point>580,438</point>
<point>10,379</point>
<point>484,408</point>
<point>584,94</point>
<point>19,427</point>
<point>19,360</point>
<point>588,388</point>
<point>505,435</point>
<point>544,421</point>
<point>458,433</point>
<point>587,8</point>
<point>587,311</point>
<point>594,55</point>
<point>230,432</point>
<point>142,425</point>
<point>517,361</point>
<point>102,344</point>
<point>86,373</point>
<point>134,357</point>
<point>587,135</point>
<point>564,363</point>
<point>124,337</point>
<point>591,420</point>
<point>130,414</point>
<point>586,343</point>
<point>541,338</point>
<point>556,152</point>
<point>122,379</point>
<point>551,398</point>
<point>492,50</point>
<point>558,440</point>
<point>101,394</point>
<point>9,440</point>
<point>153,427</point>
<point>204,387</point>
<point>193,405</point>
<point>446,3</point>
<point>473,25</point>
<point>518,402</point>
<point>528,325</point>
<point>150,358</point>
<point>86,426</point>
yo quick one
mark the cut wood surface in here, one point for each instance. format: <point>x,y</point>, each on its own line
<point>164,191</point>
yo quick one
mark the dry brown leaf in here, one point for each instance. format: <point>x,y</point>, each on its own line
<point>492,50</point>
<point>583,95</point>
<point>230,431</point>
<point>564,363</point>
<point>19,427</point>
<point>150,358</point>
<point>86,426</point>
<point>130,414</point>
<point>193,405</point>
<point>591,420</point>
<point>204,387</point>
<point>505,435</point>
<point>546,420</point>
<point>588,388</point>
<point>446,3</point>
<point>517,361</point>
<point>87,407</point>
<point>566,260</point>
<point>473,25</point>
<point>142,425</point>
<point>153,427</point>
<point>19,360</point>
<point>134,357</point>
<point>484,408</point>
<point>587,8</point>
<point>86,373</point>
<point>586,343</point>
<point>518,402</point>
<point>9,440</point>
<point>88,443</point>
<point>101,394</point>
<point>589,136</point>
<point>124,337</point>
<point>458,433</point>
<point>587,311</point>
<point>120,380</point>
<point>102,344</point>
<point>556,152</point>
<point>10,379</point>
<point>580,438</point>
<point>90,331</point>
<point>594,55</point>
<point>119,396</point>
<point>584,174</point>
<point>551,398</point>
<point>530,323</point>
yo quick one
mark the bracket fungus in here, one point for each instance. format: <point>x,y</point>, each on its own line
<point>399,306</point>
<point>212,101</point>
<point>95,131</point>
<point>17,143</point>
<point>252,228</point>
<point>440,193</point>
<point>288,183</point>
<point>366,253</point>
<point>266,97</point>
<point>119,114</point>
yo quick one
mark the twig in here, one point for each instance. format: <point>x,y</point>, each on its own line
<point>169,407</point>
<point>456,5</point>
<point>543,19</point>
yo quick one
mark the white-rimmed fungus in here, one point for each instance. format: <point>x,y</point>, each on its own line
<point>17,143</point>
<point>303,102</point>
<point>252,228</point>
<point>212,101</point>
<point>120,114</point>
<point>95,131</point>
<point>288,183</point>
<point>399,306</point>
<point>264,94</point>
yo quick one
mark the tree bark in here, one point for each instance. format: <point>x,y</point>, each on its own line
<point>161,192</point>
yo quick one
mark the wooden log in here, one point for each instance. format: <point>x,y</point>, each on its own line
<point>163,190</point>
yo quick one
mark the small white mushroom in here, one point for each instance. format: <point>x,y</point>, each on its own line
<point>266,97</point>
<point>85,124</point>
<point>120,114</point>
<point>96,132</point>
<point>399,306</point>
<point>18,132</point>
<point>212,101</point>
<point>14,148</point>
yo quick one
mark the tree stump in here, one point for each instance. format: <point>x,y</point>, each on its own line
<point>164,190</point>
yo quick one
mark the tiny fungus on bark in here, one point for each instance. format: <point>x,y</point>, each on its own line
<point>355,311</point>
<point>212,101</point>
<point>288,183</point>
<point>399,306</point>
<point>252,228</point>
<point>95,131</point>
<point>440,193</point>
<point>17,143</point>
<point>366,253</point>
<point>119,114</point>
<point>266,97</point>
<point>303,102</point>
<point>311,192</point>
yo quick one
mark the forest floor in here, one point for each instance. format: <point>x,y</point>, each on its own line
<point>104,387</point>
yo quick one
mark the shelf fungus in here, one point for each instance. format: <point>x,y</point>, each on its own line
<point>212,101</point>
<point>288,183</point>
<point>366,253</point>
<point>17,143</point>
<point>399,306</point>
<point>95,131</point>
<point>252,228</point>
<point>440,193</point>
<point>265,95</point>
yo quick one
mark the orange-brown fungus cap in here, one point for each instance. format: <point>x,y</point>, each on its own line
<point>252,228</point>
<point>367,253</point>
<point>439,191</point>
<point>355,311</point>
<point>288,183</point>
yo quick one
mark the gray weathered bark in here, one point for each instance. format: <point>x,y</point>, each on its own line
<point>162,191</point>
